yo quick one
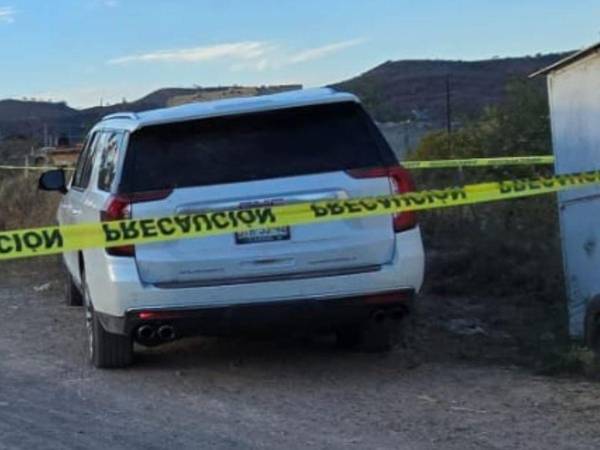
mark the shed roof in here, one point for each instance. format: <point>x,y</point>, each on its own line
<point>568,60</point>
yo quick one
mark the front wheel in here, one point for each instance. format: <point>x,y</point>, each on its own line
<point>106,350</point>
<point>73,296</point>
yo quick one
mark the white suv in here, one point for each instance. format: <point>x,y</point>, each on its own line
<point>345,276</point>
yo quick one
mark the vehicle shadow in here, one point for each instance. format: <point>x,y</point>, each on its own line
<point>292,356</point>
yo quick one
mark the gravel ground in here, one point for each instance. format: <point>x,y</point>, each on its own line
<point>283,393</point>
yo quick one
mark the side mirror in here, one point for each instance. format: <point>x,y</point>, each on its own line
<point>53,180</point>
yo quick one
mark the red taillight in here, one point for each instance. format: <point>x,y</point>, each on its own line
<point>402,182</point>
<point>158,315</point>
<point>118,207</point>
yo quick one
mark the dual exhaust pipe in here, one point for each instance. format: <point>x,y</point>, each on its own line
<point>150,334</point>
<point>380,315</point>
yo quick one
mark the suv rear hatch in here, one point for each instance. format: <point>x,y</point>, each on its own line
<point>288,155</point>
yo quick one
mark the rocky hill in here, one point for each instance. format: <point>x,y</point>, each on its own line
<point>26,119</point>
<point>417,89</point>
<point>395,91</point>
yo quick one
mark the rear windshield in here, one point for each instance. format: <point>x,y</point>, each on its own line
<point>255,146</point>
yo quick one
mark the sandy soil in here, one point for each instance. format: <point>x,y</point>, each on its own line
<point>463,391</point>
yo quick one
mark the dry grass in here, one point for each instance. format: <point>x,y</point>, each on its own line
<point>22,204</point>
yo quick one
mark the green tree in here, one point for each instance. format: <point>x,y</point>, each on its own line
<point>519,126</point>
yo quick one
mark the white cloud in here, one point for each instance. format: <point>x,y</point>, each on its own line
<point>92,95</point>
<point>7,14</point>
<point>246,50</point>
<point>256,56</point>
<point>322,51</point>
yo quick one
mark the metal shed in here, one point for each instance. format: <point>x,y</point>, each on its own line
<point>574,96</point>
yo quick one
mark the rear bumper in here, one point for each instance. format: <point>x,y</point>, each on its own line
<point>116,289</point>
<point>268,317</point>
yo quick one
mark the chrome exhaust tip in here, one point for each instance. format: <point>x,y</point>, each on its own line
<point>146,333</point>
<point>166,333</point>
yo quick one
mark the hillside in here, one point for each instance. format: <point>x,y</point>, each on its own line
<point>17,110</point>
<point>26,119</point>
<point>393,92</point>
<point>416,89</point>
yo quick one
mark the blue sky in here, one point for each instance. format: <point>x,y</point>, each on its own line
<point>84,50</point>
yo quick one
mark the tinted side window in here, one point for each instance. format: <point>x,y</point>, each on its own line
<point>81,161</point>
<point>109,155</point>
<point>88,164</point>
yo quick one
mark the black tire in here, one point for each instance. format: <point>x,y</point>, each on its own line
<point>348,337</point>
<point>106,350</point>
<point>73,296</point>
<point>371,336</point>
<point>377,336</point>
<point>592,325</point>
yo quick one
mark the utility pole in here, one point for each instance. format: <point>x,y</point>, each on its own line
<point>448,113</point>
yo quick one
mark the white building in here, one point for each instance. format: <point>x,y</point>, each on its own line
<point>574,95</point>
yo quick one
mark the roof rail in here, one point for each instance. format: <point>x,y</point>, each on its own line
<point>121,115</point>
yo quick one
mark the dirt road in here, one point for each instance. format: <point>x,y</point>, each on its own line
<point>292,394</point>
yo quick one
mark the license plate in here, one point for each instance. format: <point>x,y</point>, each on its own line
<point>263,235</point>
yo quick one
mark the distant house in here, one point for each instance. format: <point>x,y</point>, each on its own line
<point>56,156</point>
<point>574,95</point>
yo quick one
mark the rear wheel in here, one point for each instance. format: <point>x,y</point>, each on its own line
<point>372,336</point>
<point>106,350</point>
<point>381,333</point>
<point>592,325</point>
<point>348,337</point>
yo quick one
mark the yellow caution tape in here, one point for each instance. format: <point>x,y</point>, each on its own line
<point>53,240</point>
<point>433,164</point>
<point>480,162</point>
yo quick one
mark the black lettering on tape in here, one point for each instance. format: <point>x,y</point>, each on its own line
<point>519,185</point>
<point>506,187</point>
<point>369,205</point>
<point>184,223</point>
<point>33,240</point>
<point>335,208</point>
<point>233,219</point>
<point>53,239</point>
<point>385,202</point>
<point>148,227</point>
<point>219,220</point>
<point>6,244</point>
<point>110,234</point>
<point>548,182</point>
<point>130,230</point>
<point>265,215</point>
<point>353,207</point>
<point>202,222</point>
<point>165,225</point>
<point>319,211</point>
<point>246,216</point>
<point>415,198</point>
<point>458,193</point>
<point>590,177</point>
